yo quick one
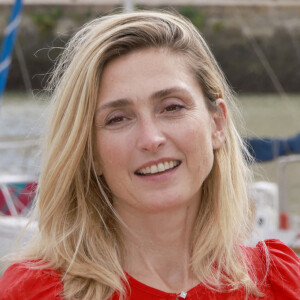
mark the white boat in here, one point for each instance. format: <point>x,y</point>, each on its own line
<point>13,223</point>
<point>272,220</point>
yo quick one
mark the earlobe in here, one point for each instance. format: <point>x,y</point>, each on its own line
<point>219,124</point>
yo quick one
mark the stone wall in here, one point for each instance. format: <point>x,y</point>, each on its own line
<point>235,34</point>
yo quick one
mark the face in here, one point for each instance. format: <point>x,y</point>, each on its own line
<point>154,134</point>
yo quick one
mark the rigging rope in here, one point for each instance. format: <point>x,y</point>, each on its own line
<point>266,65</point>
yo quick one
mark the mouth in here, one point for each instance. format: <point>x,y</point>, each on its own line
<point>158,168</point>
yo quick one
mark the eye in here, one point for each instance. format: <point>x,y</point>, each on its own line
<point>115,120</point>
<point>173,107</point>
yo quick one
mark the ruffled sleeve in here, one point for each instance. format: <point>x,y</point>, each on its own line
<point>21,282</point>
<point>284,270</point>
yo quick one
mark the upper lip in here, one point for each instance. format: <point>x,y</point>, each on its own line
<point>155,162</point>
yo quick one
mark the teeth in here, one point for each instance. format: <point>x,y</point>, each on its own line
<point>161,167</point>
<point>154,169</point>
<point>166,165</point>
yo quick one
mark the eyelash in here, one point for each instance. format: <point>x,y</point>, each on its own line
<point>114,120</point>
<point>172,106</point>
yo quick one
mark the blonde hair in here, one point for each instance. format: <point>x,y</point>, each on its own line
<point>77,223</point>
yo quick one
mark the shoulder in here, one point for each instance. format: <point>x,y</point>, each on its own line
<point>280,265</point>
<point>280,257</point>
<point>25,281</point>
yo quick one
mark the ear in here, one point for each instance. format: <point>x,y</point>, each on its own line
<point>219,118</point>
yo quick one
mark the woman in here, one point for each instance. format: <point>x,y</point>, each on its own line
<point>143,189</point>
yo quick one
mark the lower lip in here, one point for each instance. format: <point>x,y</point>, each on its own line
<point>159,177</point>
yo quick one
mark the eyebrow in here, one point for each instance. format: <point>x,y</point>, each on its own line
<point>115,104</point>
<point>123,102</point>
<point>166,92</point>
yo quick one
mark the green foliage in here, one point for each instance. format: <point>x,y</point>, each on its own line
<point>194,15</point>
<point>218,26</point>
<point>46,20</point>
<point>140,7</point>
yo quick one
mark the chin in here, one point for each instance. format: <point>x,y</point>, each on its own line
<point>163,205</point>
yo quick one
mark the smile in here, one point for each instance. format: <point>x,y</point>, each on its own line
<point>159,168</point>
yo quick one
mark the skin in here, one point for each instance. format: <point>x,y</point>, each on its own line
<point>151,109</point>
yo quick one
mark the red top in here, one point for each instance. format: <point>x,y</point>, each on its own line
<point>282,282</point>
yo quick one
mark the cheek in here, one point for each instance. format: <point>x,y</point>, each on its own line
<point>198,148</point>
<point>111,153</point>
<point>197,138</point>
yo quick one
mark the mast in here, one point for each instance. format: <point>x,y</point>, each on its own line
<point>128,6</point>
<point>10,35</point>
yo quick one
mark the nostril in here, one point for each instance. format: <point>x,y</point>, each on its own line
<point>151,144</point>
<point>151,137</point>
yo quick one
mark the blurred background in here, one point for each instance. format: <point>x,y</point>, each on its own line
<point>256,43</point>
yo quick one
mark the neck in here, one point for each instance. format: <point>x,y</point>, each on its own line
<point>158,247</point>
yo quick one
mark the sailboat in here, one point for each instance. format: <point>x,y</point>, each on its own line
<point>16,190</point>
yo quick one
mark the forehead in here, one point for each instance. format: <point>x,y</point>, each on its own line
<point>150,59</point>
<point>144,71</point>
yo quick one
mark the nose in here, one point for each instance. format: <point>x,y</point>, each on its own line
<point>150,136</point>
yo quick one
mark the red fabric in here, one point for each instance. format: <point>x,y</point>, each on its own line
<point>20,282</point>
<point>22,196</point>
<point>282,282</point>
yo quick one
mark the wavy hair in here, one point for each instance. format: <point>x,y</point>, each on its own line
<point>78,227</point>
